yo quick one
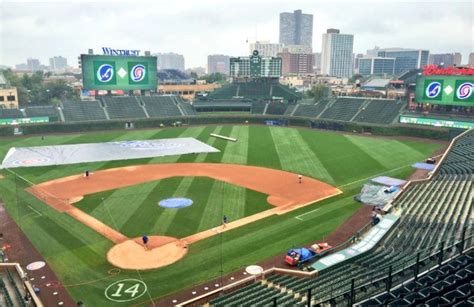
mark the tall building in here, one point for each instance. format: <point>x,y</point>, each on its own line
<point>296,28</point>
<point>33,64</point>
<point>57,63</point>
<point>218,63</point>
<point>405,59</point>
<point>376,66</point>
<point>317,62</point>
<point>302,49</point>
<point>296,63</point>
<point>336,54</point>
<point>170,60</point>
<point>265,48</point>
<point>471,60</point>
<point>357,58</point>
<point>447,59</point>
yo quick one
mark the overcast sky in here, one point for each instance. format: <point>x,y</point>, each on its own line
<point>196,28</point>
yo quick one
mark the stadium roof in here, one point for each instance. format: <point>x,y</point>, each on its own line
<point>376,83</point>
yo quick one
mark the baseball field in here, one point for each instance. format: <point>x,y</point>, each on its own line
<point>77,253</point>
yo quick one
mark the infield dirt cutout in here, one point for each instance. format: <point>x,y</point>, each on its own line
<point>283,190</point>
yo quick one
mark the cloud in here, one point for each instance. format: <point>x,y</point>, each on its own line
<point>196,29</point>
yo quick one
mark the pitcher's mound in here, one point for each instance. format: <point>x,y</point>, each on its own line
<point>132,255</point>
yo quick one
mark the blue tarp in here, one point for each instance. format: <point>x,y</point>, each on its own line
<point>425,166</point>
<point>390,181</point>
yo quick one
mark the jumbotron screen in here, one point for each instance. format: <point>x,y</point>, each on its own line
<point>103,72</point>
<point>447,90</point>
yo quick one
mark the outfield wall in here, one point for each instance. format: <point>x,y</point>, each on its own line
<point>392,130</point>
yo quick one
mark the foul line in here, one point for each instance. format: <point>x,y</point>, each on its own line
<point>298,217</point>
<point>37,212</point>
<point>379,174</point>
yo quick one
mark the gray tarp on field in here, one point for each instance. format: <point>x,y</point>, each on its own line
<point>95,152</point>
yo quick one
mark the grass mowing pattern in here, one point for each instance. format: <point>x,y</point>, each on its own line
<point>76,253</point>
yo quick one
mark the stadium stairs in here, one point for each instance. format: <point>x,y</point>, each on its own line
<point>161,106</point>
<point>434,227</point>
<point>123,108</point>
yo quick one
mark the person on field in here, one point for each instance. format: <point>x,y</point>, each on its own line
<point>145,241</point>
<point>224,221</point>
<point>300,178</point>
<point>87,174</point>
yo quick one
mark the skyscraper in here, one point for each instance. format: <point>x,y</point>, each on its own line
<point>405,59</point>
<point>336,54</point>
<point>170,60</point>
<point>57,63</point>
<point>33,64</point>
<point>471,60</point>
<point>447,59</point>
<point>296,28</point>
<point>296,63</point>
<point>218,63</point>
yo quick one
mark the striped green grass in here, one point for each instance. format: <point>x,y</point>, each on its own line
<point>77,254</point>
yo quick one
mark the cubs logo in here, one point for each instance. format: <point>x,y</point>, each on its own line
<point>148,145</point>
<point>105,73</point>
<point>433,89</point>
<point>464,91</point>
<point>137,73</point>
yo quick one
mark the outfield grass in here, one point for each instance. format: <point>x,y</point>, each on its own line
<point>76,252</point>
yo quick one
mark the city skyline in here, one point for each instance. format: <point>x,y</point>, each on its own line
<point>407,24</point>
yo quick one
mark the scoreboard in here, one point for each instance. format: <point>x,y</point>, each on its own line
<point>105,72</point>
<point>446,90</point>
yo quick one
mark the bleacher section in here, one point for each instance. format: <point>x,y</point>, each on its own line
<point>258,107</point>
<point>312,110</point>
<point>10,293</point>
<point>460,160</point>
<point>10,113</point>
<point>49,111</point>
<point>256,294</point>
<point>343,109</point>
<point>276,108</point>
<point>83,111</point>
<point>123,107</point>
<point>255,91</point>
<point>435,216</point>
<point>225,92</point>
<point>161,106</point>
<point>279,90</point>
<point>450,284</point>
<point>380,111</point>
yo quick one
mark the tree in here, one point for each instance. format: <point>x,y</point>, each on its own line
<point>214,77</point>
<point>317,92</point>
<point>32,90</point>
<point>193,75</point>
<point>356,77</point>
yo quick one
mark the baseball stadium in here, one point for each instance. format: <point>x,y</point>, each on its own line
<point>249,196</point>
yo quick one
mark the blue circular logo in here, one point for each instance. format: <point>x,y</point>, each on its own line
<point>175,203</point>
<point>464,91</point>
<point>105,73</point>
<point>137,73</point>
<point>433,89</point>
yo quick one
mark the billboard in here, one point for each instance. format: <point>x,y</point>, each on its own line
<point>104,72</point>
<point>436,122</point>
<point>447,90</point>
<point>24,120</point>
